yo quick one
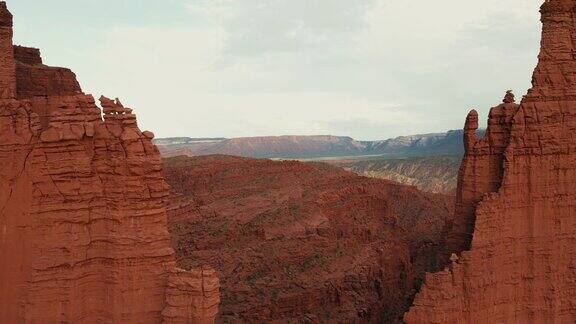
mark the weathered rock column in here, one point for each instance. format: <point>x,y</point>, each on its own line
<point>7,64</point>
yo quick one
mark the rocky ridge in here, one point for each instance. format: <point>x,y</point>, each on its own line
<point>516,201</point>
<point>437,174</point>
<point>311,147</point>
<point>301,242</point>
<point>83,219</point>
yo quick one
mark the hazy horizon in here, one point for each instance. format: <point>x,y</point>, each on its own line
<point>368,69</point>
<point>310,135</point>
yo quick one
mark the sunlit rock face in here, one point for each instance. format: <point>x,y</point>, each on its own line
<point>516,210</point>
<point>83,225</point>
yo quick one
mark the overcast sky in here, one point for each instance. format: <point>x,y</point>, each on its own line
<point>370,69</point>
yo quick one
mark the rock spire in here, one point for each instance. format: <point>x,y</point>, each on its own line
<point>515,218</point>
<point>83,225</point>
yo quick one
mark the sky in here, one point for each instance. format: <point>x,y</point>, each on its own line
<point>370,69</point>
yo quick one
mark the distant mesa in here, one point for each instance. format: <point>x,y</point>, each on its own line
<point>311,147</point>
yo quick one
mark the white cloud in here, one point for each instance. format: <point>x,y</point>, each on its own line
<point>347,67</point>
<point>258,27</point>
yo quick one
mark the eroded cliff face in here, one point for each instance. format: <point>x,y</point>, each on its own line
<point>481,170</point>
<point>83,225</point>
<point>517,191</point>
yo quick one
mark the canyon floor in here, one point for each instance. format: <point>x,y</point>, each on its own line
<point>303,242</point>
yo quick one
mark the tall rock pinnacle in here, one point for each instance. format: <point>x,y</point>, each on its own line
<point>515,217</point>
<point>7,65</point>
<point>83,225</point>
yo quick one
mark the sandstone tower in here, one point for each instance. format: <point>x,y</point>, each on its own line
<point>517,195</point>
<point>83,228</point>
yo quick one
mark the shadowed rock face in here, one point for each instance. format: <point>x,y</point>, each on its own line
<point>33,79</point>
<point>517,196</point>
<point>303,242</point>
<point>83,225</point>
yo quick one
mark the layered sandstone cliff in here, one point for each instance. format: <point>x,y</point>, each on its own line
<point>517,195</point>
<point>83,225</point>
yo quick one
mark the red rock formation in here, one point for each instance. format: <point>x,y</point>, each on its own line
<point>303,242</point>
<point>7,66</point>
<point>518,192</point>
<point>481,170</point>
<point>83,227</point>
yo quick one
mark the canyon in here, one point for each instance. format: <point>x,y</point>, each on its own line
<point>513,233</point>
<point>102,223</point>
<point>303,242</point>
<point>84,235</point>
<point>430,162</point>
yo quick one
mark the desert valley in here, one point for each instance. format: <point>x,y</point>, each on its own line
<point>101,222</point>
<point>429,162</point>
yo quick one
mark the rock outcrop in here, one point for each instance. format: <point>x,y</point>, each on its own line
<point>35,79</point>
<point>192,296</point>
<point>515,216</point>
<point>83,223</point>
<point>481,170</point>
<point>437,174</point>
<point>303,242</point>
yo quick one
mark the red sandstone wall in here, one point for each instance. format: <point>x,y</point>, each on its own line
<point>520,268</point>
<point>83,225</point>
<point>192,297</point>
